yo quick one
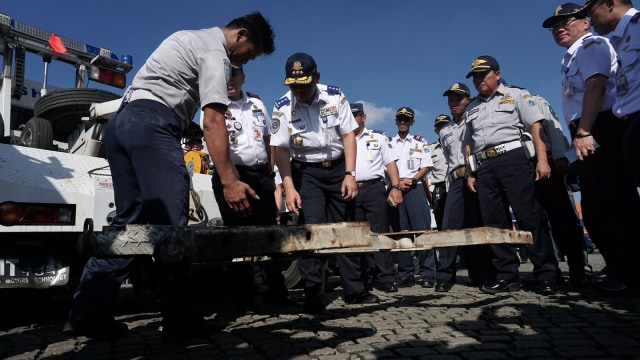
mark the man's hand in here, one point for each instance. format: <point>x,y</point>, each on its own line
<point>236,196</point>
<point>349,188</point>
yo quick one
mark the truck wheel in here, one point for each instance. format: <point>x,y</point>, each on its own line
<point>65,108</point>
<point>37,133</point>
<point>292,275</point>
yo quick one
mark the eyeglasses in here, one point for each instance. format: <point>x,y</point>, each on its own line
<point>404,119</point>
<point>563,24</point>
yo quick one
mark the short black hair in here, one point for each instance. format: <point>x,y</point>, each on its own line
<point>260,32</point>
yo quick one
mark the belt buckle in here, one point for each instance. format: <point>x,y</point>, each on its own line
<point>360,184</point>
<point>459,172</point>
<point>491,152</point>
<point>326,163</point>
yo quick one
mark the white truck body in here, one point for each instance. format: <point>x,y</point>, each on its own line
<point>37,176</point>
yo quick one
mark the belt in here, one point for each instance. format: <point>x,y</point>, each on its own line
<point>631,116</point>
<point>364,183</point>
<point>441,183</point>
<point>494,151</point>
<point>252,167</point>
<point>458,172</point>
<point>326,164</point>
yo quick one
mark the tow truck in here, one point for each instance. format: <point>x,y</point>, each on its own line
<point>56,192</point>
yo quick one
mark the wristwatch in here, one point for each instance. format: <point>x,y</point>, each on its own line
<point>352,173</point>
<point>396,186</point>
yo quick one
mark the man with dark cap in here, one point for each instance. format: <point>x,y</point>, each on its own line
<point>595,81</point>
<point>438,176</point>
<point>414,213</point>
<point>312,128</point>
<point>461,209</point>
<point>504,174</point>
<point>374,158</point>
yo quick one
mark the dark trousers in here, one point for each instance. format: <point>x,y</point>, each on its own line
<point>263,212</point>
<point>322,202</point>
<point>414,214</point>
<point>509,180</point>
<point>565,225</point>
<point>462,211</point>
<point>371,206</point>
<point>609,198</point>
<point>438,200</point>
<point>151,186</point>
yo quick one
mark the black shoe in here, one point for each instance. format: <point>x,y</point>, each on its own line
<point>312,304</point>
<point>281,299</point>
<point>109,331</point>
<point>443,285</point>
<point>427,283</point>
<point>406,281</point>
<point>183,332</point>
<point>547,287</point>
<point>579,281</point>
<point>610,286</point>
<point>362,297</point>
<point>501,286</point>
<point>529,281</point>
<point>390,287</point>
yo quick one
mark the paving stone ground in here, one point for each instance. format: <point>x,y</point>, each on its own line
<point>414,323</point>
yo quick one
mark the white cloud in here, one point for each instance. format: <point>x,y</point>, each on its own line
<point>377,116</point>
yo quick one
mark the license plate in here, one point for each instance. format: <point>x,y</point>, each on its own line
<point>13,275</point>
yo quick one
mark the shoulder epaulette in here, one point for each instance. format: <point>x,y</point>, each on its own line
<point>390,138</point>
<point>515,87</point>
<point>282,102</point>
<point>418,137</point>
<point>378,131</point>
<point>590,41</point>
<point>250,94</point>
<point>635,17</point>
<point>333,90</point>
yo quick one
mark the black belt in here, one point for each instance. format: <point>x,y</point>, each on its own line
<point>326,164</point>
<point>442,183</point>
<point>252,167</point>
<point>631,116</point>
<point>458,172</point>
<point>364,183</point>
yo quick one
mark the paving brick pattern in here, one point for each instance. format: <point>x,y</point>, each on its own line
<point>414,323</point>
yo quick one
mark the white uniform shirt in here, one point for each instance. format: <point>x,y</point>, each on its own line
<point>587,56</point>
<point>626,41</point>
<point>440,168</point>
<point>247,126</point>
<point>452,138</point>
<point>374,154</point>
<point>413,154</point>
<point>501,117</point>
<point>313,132</point>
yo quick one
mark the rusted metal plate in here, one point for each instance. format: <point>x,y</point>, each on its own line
<point>425,240</point>
<point>201,243</point>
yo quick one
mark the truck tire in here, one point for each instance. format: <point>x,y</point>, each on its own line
<point>37,133</point>
<point>65,108</point>
<point>292,275</point>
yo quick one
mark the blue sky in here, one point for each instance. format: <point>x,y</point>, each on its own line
<point>386,54</point>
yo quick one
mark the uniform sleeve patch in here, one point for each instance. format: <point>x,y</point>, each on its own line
<point>282,102</point>
<point>531,102</point>
<point>275,125</point>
